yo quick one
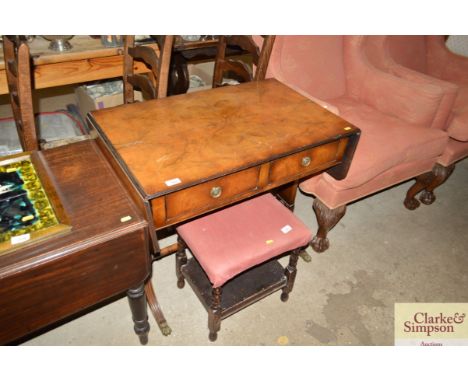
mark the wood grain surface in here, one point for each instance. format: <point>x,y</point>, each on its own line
<point>201,136</point>
<point>100,257</point>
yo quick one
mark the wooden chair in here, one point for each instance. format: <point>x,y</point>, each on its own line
<point>240,69</point>
<point>18,73</point>
<point>155,85</point>
<point>234,256</point>
<point>19,77</point>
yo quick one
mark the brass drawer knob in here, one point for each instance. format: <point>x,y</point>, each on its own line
<point>216,192</point>
<point>305,161</point>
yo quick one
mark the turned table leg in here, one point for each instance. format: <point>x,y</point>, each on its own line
<point>137,302</point>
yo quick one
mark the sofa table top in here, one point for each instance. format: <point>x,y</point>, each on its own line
<point>176,142</point>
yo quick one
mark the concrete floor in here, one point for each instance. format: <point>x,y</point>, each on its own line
<point>380,254</point>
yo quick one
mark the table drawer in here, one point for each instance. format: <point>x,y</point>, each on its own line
<point>305,162</point>
<point>212,194</point>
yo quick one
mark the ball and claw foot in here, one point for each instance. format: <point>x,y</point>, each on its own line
<point>411,204</point>
<point>165,328</point>
<point>319,244</point>
<point>180,283</point>
<point>427,197</point>
<point>284,296</point>
<point>213,337</point>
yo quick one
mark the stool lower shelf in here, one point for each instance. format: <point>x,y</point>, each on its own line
<point>241,291</point>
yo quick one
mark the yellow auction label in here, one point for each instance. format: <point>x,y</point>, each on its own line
<point>431,324</point>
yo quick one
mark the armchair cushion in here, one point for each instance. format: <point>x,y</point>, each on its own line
<point>232,240</point>
<point>385,142</point>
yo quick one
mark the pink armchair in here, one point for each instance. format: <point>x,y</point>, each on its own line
<point>401,122</point>
<point>427,60</point>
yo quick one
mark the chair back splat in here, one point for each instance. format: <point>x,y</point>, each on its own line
<point>260,57</point>
<point>153,85</point>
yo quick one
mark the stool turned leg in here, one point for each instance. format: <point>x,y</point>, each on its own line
<point>326,218</point>
<point>290,272</point>
<point>422,181</point>
<point>137,302</point>
<point>181,260</point>
<point>214,314</point>
<point>441,174</point>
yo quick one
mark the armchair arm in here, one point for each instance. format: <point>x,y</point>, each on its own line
<point>416,103</point>
<point>445,64</point>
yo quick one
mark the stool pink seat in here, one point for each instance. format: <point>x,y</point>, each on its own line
<point>230,241</point>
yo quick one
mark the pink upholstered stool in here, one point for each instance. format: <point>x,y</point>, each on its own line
<point>235,252</point>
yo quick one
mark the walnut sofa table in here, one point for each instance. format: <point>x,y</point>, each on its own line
<point>104,255</point>
<point>189,154</point>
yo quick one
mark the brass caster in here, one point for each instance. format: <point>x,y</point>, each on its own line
<point>305,256</point>
<point>165,328</point>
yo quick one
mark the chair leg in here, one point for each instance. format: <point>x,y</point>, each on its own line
<point>326,218</point>
<point>441,174</point>
<point>422,181</point>
<point>290,273</point>
<point>214,314</point>
<point>181,260</point>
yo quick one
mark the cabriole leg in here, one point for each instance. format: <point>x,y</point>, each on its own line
<point>326,218</point>
<point>422,181</point>
<point>441,174</point>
